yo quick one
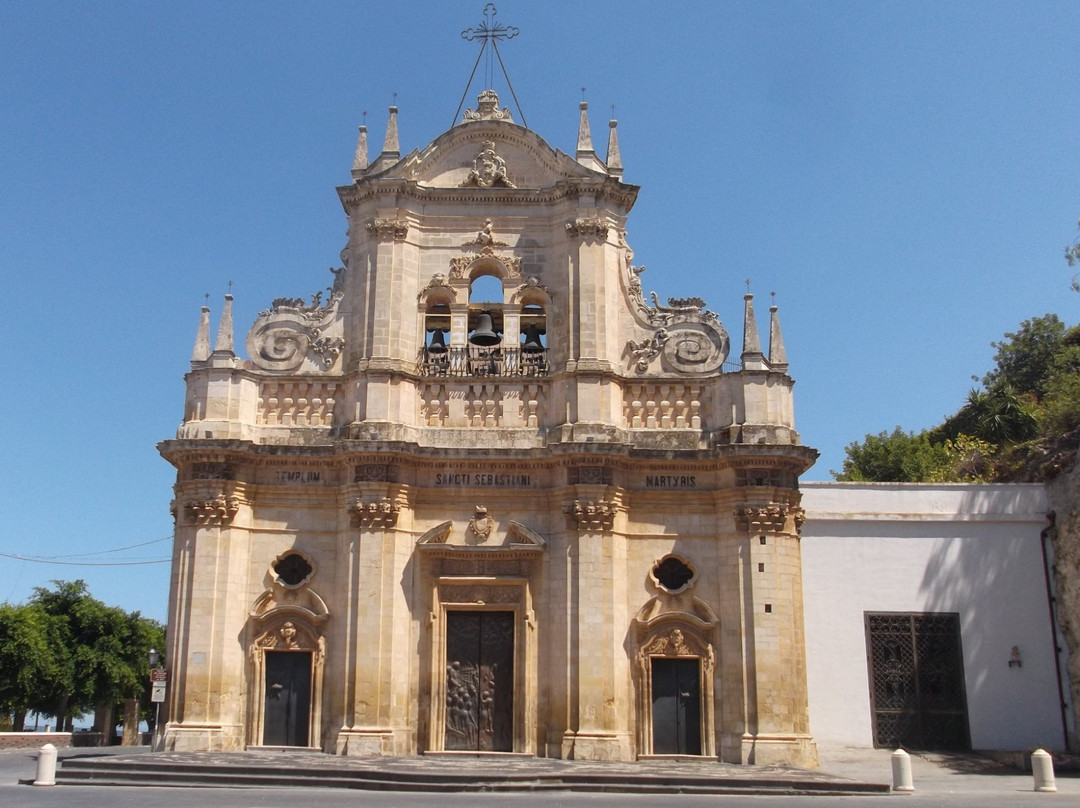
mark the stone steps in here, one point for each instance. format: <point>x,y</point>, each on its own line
<point>240,771</point>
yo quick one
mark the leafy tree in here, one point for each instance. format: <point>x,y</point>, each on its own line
<point>898,456</point>
<point>1024,359</point>
<point>35,666</point>
<point>1072,255</point>
<point>1024,424</point>
<point>107,646</point>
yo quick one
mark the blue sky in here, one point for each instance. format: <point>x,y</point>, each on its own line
<point>902,174</point>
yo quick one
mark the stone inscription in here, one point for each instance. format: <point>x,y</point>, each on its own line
<point>298,477</point>
<point>477,479</point>
<point>670,481</point>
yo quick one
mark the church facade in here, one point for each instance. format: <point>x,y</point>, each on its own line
<point>482,495</point>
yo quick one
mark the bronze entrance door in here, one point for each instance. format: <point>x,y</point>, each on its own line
<point>288,698</point>
<point>480,681</point>
<point>676,706</point>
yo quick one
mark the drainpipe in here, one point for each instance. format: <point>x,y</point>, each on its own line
<point>1051,603</point>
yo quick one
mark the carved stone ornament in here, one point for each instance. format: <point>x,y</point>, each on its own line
<point>459,265</point>
<point>485,237</point>
<point>284,335</point>
<point>591,228</point>
<point>687,337</point>
<point>212,471</point>
<point>488,171</point>
<point>673,644</point>
<point>385,229</point>
<point>217,510</point>
<point>646,350</point>
<point>481,524</point>
<point>372,473</point>
<point>770,518</point>
<point>591,514</point>
<point>375,513</point>
<point>487,109</point>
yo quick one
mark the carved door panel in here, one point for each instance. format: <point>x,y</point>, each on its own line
<point>480,681</point>
<point>286,713</point>
<point>676,706</point>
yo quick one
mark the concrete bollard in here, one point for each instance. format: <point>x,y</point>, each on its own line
<point>46,766</point>
<point>901,772</point>
<point>1042,767</point>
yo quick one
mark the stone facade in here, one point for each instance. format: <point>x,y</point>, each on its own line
<point>483,429</point>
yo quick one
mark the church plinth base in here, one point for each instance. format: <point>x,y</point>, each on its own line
<point>596,746</point>
<point>201,738</point>
<point>365,743</point>
<point>780,750</point>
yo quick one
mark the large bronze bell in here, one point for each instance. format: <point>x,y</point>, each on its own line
<point>438,342</point>
<point>484,334</point>
<point>532,342</point>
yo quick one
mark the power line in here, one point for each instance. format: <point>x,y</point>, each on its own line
<point>106,552</point>
<point>85,563</point>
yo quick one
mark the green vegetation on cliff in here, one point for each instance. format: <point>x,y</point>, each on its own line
<point>1022,424</point>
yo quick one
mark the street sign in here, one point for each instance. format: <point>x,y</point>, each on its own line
<point>159,675</point>
<point>157,693</point>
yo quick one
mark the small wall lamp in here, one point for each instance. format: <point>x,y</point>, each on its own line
<point>1015,661</point>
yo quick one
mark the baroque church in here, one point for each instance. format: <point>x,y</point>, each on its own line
<point>482,496</point>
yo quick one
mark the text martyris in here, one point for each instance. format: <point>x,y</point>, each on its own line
<point>670,481</point>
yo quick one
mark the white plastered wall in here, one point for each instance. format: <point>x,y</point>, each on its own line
<point>971,549</point>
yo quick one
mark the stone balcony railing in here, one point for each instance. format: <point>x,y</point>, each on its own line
<point>662,405</point>
<point>296,403</point>
<point>475,361</point>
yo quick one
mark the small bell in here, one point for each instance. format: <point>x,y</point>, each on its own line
<point>484,334</point>
<point>532,343</point>
<point>438,342</point>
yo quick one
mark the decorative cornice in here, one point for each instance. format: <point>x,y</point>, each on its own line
<point>374,513</point>
<point>610,191</point>
<point>592,228</point>
<point>384,229</point>
<point>591,514</point>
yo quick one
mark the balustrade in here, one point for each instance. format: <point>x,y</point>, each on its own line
<point>296,403</point>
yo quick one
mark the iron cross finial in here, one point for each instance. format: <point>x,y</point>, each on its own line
<point>747,286</point>
<point>489,30</point>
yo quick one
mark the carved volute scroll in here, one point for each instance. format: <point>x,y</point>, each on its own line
<point>293,330</point>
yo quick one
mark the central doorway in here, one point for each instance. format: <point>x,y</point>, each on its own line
<point>287,710</point>
<point>676,706</point>
<point>479,681</point>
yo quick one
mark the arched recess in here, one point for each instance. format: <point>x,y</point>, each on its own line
<point>437,304</point>
<point>674,645</point>
<point>676,665</point>
<point>532,303</point>
<point>286,640</point>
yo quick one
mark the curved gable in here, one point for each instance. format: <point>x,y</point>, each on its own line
<point>522,159</point>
